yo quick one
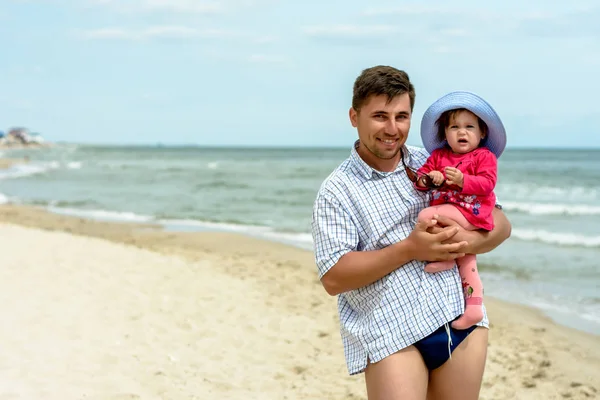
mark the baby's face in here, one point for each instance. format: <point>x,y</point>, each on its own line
<point>463,133</point>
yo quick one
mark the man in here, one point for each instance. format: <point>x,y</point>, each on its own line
<point>371,252</point>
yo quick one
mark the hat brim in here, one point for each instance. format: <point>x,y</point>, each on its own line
<point>496,136</point>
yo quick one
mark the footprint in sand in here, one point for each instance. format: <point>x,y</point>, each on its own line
<point>580,391</point>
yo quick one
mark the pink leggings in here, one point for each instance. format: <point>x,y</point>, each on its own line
<point>467,267</point>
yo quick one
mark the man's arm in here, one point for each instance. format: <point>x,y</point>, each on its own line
<point>479,241</point>
<point>361,268</point>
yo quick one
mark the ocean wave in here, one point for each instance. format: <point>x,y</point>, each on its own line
<point>591,314</point>
<point>551,209</point>
<point>298,239</point>
<point>528,191</point>
<point>222,184</point>
<point>102,214</point>
<point>74,165</point>
<point>561,239</point>
<point>37,168</point>
<point>121,165</point>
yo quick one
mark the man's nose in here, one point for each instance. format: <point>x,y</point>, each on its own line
<point>390,126</point>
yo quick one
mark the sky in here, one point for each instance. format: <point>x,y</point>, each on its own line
<point>280,73</point>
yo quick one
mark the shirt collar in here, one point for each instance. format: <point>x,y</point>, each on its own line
<point>367,171</point>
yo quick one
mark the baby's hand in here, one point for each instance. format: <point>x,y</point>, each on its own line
<point>437,177</point>
<point>455,177</point>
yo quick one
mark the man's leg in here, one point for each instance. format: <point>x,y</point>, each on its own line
<point>460,377</point>
<point>401,376</point>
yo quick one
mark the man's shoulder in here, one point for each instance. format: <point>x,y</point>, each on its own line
<point>337,183</point>
<point>419,154</point>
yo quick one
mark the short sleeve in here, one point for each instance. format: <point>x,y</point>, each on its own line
<point>334,233</point>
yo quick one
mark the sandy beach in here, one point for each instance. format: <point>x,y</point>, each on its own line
<point>98,310</point>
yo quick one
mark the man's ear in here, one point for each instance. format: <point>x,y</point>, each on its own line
<point>353,114</point>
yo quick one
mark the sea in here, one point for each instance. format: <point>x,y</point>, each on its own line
<point>552,198</point>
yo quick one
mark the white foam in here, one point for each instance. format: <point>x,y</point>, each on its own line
<point>564,239</point>
<point>102,214</point>
<point>24,170</point>
<point>303,240</point>
<point>551,209</point>
<point>3,199</point>
<point>213,225</point>
<point>74,165</point>
<point>36,168</point>
<point>585,313</point>
<point>522,191</point>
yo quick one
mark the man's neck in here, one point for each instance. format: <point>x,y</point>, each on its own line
<point>379,164</point>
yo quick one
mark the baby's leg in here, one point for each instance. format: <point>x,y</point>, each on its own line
<point>467,267</point>
<point>450,211</point>
<point>473,291</point>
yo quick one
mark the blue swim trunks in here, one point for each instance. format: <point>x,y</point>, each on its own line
<point>436,348</point>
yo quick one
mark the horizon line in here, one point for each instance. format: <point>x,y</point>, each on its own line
<point>293,146</point>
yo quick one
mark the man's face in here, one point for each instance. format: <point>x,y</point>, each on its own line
<point>382,129</point>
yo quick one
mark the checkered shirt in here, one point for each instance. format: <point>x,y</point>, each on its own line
<point>359,209</point>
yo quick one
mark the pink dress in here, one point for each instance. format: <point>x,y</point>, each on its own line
<point>476,199</point>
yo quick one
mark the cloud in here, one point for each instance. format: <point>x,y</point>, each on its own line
<point>174,6</point>
<point>407,10</point>
<point>473,14</point>
<point>446,21</point>
<point>184,6</point>
<point>590,59</point>
<point>268,59</point>
<point>266,39</point>
<point>26,69</point>
<point>582,22</point>
<point>163,32</point>
<point>349,31</point>
<point>443,49</point>
<point>579,21</point>
<point>455,32</point>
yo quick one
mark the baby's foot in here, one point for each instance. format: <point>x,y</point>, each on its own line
<point>473,314</point>
<point>439,266</point>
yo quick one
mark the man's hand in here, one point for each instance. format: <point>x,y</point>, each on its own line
<point>427,246</point>
<point>454,176</point>
<point>437,177</point>
<point>462,235</point>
